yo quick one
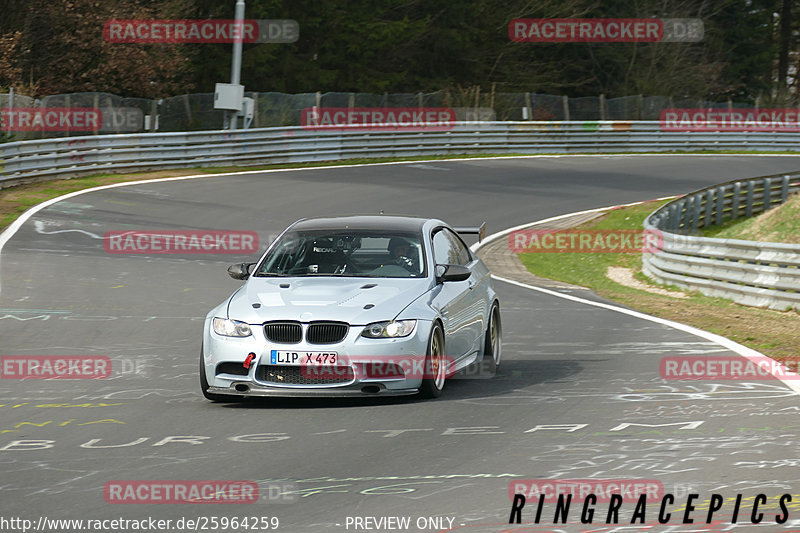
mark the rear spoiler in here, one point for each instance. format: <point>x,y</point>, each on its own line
<point>480,231</point>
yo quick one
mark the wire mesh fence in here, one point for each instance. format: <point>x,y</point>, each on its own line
<point>196,112</point>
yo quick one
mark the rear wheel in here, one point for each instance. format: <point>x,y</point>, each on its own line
<point>492,348</point>
<point>435,365</point>
<point>204,386</point>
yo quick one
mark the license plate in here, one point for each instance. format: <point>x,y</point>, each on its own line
<point>281,357</point>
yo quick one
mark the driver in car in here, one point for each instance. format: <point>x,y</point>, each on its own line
<point>398,249</point>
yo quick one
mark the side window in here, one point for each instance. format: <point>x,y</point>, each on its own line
<point>464,257</point>
<point>448,249</point>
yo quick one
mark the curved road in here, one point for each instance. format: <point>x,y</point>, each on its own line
<point>578,395</point>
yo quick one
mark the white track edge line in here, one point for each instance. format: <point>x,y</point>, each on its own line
<point>744,351</point>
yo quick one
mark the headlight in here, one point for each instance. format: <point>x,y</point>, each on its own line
<point>378,330</point>
<point>231,328</point>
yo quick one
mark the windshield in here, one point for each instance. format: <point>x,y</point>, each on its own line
<point>363,253</point>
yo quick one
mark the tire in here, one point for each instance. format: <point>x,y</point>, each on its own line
<point>434,365</point>
<point>493,343</point>
<point>210,395</point>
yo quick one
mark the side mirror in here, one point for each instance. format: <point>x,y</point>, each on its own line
<point>240,271</point>
<point>452,273</point>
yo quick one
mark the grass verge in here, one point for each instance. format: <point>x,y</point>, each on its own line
<point>773,333</point>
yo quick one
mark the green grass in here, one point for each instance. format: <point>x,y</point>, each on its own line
<point>589,269</point>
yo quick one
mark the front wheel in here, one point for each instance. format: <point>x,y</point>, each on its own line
<point>435,365</point>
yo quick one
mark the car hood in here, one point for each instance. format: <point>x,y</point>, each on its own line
<point>324,298</point>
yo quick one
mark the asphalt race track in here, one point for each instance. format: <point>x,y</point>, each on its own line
<point>578,396</point>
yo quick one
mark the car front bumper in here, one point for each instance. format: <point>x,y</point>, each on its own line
<point>224,357</point>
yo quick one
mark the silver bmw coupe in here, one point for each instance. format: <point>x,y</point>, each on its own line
<point>353,306</point>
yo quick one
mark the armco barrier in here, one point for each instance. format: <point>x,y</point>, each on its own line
<point>760,274</point>
<point>74,156</point>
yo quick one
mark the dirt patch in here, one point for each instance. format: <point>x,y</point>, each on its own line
<point>624,276</point>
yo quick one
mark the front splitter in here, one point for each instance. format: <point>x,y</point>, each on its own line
<point>302,392</point>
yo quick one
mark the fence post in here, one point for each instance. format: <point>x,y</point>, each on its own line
<point>565,102</point>
<point>68,101</point>
<point>602,107</point>
<point>189,110</point>
<point>528,107</point>
<point>255,110</point>
<point>96,105</point>
<point>153,115</point>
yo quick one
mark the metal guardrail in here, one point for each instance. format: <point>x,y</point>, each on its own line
<point>74,156</point>
<point>760,274</point>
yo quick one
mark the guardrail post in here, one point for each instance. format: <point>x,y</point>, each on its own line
<point>674,220</point>
<point>686,215</point>
<point>749,205</point>
<point>720,205</point>
<point>709,206</point>
<point>696,204</point>
<point>737,191</point>
<point>784,188</point>
<point>767,193</point>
